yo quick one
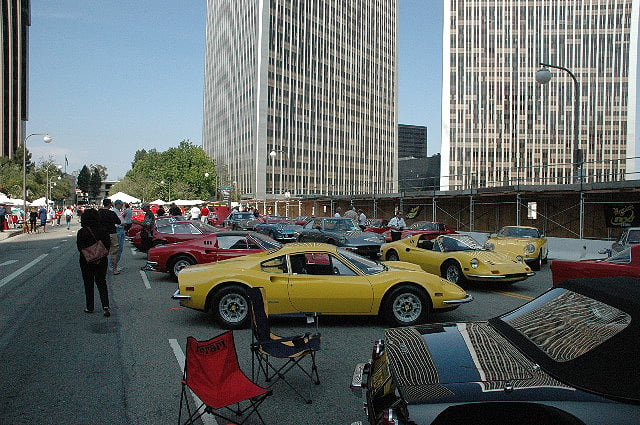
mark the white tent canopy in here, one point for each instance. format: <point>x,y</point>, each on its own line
<point>40,202</point>
<point>158,202</point>
<point>124,198</point>
<point>187,202</point>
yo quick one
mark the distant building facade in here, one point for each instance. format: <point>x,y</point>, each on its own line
<point>501,128</point>
<point>15,15</point>
<point>301,97</point>
<point>419,174</point>
<point>412,141</point>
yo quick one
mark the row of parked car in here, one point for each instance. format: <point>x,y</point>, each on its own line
<point>567,357</point>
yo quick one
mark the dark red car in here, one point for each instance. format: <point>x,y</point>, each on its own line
<point>624,263</point>
<point>432,229</point>
<point>377,225</point>
<point>136,225</point>
<point>176,231</point>
<point>214,247</point>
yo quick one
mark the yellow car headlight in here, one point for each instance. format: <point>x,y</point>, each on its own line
<point>474,263</point>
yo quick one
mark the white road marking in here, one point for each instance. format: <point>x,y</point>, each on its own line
<point>6,263</point>
<point>177,351</point>
<point>56,247</point>
<point>21,270</point>
<point>144,279</point>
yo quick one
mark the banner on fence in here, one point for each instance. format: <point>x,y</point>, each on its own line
<point>622,215</point>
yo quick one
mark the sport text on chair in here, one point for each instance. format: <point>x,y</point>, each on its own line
<point>291,351</point>
<point>212,372</point>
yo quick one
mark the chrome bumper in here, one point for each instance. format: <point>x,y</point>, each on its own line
<point>150,266</point>
<point>359,378</point>
<point>177,296</point>
<point>465,300</point>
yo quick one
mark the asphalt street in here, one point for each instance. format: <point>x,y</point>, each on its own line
<point>61,365</point>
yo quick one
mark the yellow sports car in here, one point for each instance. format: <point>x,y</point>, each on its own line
<point>322,278</point>
<point>523,242</point>
<point>457,258</point>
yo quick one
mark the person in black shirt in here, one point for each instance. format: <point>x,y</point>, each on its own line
<point>33,218</point>
<point>109,219</point>
<point>91,231</point>
<point>148,223</point>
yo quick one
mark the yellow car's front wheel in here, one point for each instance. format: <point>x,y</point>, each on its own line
<point>406,305</point>
<point>452,272</point>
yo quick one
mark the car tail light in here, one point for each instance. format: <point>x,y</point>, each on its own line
<point>389,417</point>
<point>378,349</point>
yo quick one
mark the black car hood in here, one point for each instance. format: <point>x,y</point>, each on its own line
<point>466,362</point>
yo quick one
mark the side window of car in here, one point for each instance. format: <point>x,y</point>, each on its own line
<point>436,246</point>
<point>274,265</point>
<point>231,242</point>
<point>181,229</point>
<point>341,269</point>
<point>164,229</point>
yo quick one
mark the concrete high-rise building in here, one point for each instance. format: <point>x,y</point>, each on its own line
<point>412,141</point>
<point>301,97</point>
<point>15,15</point>
<point>502,128</point>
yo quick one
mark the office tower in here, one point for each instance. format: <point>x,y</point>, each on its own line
<point>15,16</point>
<point>301,97</point>
<point>502,128</point>
<point>412,141</point>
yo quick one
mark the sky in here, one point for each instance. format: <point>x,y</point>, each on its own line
<point>108,78</point>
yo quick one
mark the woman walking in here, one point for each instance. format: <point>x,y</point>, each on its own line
<point>90,232</point>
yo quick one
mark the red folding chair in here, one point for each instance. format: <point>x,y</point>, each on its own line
<point>212,372</point>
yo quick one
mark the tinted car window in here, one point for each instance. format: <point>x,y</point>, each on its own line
<point>266,242</point>
<point>365,265</point>
<point>183,229</point>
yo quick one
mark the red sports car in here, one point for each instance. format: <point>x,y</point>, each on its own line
<point>377,225</point>
<point>625,263</point>
<point>432,229</point>
<point>177,231</point>
<point>136,225</point>
<point>215,247</point>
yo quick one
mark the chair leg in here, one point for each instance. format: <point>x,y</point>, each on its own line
<point>280,373</point>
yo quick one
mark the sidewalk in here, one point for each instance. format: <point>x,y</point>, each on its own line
<point>9,233</point>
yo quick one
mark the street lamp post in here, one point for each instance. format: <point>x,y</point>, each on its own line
<point>47,139</point>
<point>48,193</point>
<point>273,154</point>
<point>543,76</point>
<point>169,187</point>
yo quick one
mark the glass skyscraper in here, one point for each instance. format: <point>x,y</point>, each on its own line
<point>301,96</point>
<point>501,128</point>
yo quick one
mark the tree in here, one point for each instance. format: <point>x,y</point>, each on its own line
<point>84,179</point>
<point>95,183</point>
<point>184,167</point>
<point>102,170</point>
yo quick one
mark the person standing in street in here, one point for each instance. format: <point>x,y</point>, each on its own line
<point>147,227</point>
<point>109,220</point>
<point>338,211</point>
<point>68,215</point>
<point>352,214</point>
<point>174,210</point>
<point>118,207</point>
<point>93,273</point>
<point>204,214</point>
<point>397,225</point>
<point>33,219</point>
<point>3,217</point>
<point>362,220</point>
<point>42,214</point>
<point>127,216</point>
<point>195,213</point>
